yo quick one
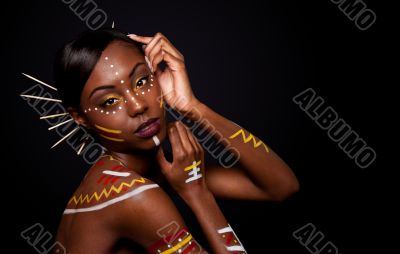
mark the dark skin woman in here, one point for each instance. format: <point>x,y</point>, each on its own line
<point>112,85</point>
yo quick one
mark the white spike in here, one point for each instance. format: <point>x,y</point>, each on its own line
<point>81,148</point>
<point>55,126</point>
<point>112,26</point>
<point>37,80</point>
<point>65,137</point>
<point>40,98</point>
<point>55,115</point>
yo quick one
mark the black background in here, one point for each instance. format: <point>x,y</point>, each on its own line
<point>246,60</point>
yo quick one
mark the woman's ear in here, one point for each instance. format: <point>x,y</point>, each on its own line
<point>79,118</point>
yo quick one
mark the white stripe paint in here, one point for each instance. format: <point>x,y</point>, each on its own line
<point>225,230</point>
<point>235,248</point>
<point>156,140</point>
<point>112,201</point>
<point>114,173</point>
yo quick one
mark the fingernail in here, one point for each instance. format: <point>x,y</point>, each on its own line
<point>148,63</point>
<point>134,35</point>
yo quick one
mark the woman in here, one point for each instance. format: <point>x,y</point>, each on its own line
<point>112,85</point>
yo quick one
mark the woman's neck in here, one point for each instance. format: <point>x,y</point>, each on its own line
<point>142,163</point>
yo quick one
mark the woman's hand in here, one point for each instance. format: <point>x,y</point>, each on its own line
<point>186,172</point>
<point>174,80</point>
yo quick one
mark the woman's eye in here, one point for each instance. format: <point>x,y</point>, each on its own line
<point>109,102</point>
<point>141,82</point>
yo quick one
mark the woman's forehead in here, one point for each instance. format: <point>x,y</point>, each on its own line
<point>117,58</point>
<point>119,51</point>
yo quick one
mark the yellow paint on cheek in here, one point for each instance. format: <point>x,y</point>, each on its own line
<point>112,139</point>
<point>109,133</point>
<point>107,130</point>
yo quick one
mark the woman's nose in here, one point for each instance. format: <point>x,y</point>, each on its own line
<point>136,105</point>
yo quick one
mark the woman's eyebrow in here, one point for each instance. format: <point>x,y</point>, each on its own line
<point>134,69</point>
<point>100,88</point>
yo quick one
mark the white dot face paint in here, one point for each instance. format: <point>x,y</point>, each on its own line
<point>132,96</point>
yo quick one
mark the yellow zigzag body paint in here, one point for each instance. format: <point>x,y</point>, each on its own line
<point>249,138</point>
<point>81,199</point>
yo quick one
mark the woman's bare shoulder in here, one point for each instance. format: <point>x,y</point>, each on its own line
<point>124,203</point>
<point>107,182</point>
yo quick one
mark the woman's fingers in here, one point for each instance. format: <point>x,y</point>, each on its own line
<point>157,55</point>
<point>187,144</point>
<point>192,140</point>
<point>156,60</point>
<point>178,151</point>
<point>173,63</point>
<point>156,47</point>
<point>141,39</point>
<point>162,44</point>
<point>152,43</point>
<point>164,164</point>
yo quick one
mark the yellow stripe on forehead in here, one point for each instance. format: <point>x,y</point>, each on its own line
<point>107,130</point>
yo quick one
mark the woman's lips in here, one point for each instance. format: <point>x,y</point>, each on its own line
<point>148,128</point>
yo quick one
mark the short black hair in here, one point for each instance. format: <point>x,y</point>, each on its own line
<point>76,60</point>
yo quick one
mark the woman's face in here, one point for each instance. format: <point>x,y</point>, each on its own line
<point>121,101</point>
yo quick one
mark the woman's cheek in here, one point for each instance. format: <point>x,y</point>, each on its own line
<point>107,123</point>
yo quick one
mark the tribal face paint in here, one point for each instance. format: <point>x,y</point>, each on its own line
<point>121,95</point>
<point>139,87</point>
<point>109,134</point>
